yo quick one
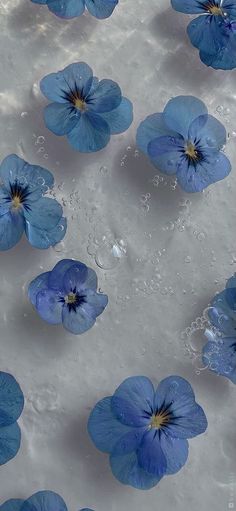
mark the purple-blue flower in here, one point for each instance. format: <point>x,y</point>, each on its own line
<point>68,295</point>
<point>23,207</point>
<point>41,501</point>
<point>86,110</point>
<point>11,406</point>
<point>214,31</point>
<point>144,430</point>
<point>219,354</point>
<point>185,141</point>
<point>222,312</point>
<point>72,8</point>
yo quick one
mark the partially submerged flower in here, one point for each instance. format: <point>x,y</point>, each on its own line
<point>23,207</point>
<point>185,140</point>
<point>222,312</point>
<point>11,406</point>
<point>86,110</point>
<point>68,295</point>
<point>145,431</point>
<point>214,31</point>
<point>72,8</point>
<point>219,355</point>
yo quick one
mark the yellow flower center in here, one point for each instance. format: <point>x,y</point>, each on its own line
<point>191,151</point>
<point>80,104</point>
<point>16,202</point>
<point>215,10</point>
<point>159,420</point>
<point>70,298</point>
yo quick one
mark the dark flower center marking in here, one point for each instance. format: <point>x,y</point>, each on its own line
<point>73,300</point>
<point>214,9</point>
<point>160,419</point>
<point>192,152</point>
<point>17,196</point>
<point>75,97</point>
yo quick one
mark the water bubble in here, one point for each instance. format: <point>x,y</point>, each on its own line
<point>108,256</point>
<point>104,170</point>
<point>24,114</point>
<point>187,259</point>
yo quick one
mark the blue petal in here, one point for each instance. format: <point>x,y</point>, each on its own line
<point>14,169</point>
<point>194,178</point>
<point>45,214</point>
<point>221,315</point>
<point>106,97</point>
<point>10,438</point>
<point>97,301</point>
<point>78,322</point>
<point>181,111</point>
<point>75,276</point>
<point>230,296</point>
<point>208,131</point>
<point>205,33</point>
<point>5,203</point>
<point>176,394</point>
<point>231,282</point>
<point>220,356</point>
<point>49,305</point>
<point>129,442</point>
<point>132,402</point>
<point>12,505</point>
<point>91,134</point>
<point>229,6</point>
<point>103,427</point>
<point>224,59</point>
<point>38,284</point>
<point>91,281</point>
<point>166,153</point>
<point>101,8</point>
<point>175,451</point>
<point>44,501</point>
<point>61,118</point>
<point>150,455</point>
<point>128,471</point>
<point>11,399</point>
<point>11,230</point>
<point>120,119</point>
<point>59,86</point>
<point>152,127</point>
<point>56,276</point>
<point>68,9</point>
<point>44,239</point>
<point>189,6</point>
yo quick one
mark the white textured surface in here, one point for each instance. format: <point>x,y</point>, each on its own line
<point>144,47</point>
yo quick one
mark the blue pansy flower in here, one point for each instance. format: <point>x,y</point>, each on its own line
<point>11,406</point>
<point>72,8</point>
<point>213,32</point>
<point>41,501</point>
<point>86,110</point>
<point>144,430</point>
<point>219,354</point>
<point>185,140</point>
<point>23,207</point>
<point>222,312</point>
<point>68,295</point>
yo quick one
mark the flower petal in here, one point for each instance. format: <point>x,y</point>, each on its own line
<point>44,501</point>
<point>77,322</point>
<point>5,203</point>
<point>225,58</point>
<point>101,8</point>
<point>91,133</point>
<point>152,127</point>
<point>12,505</point>
<point>97,301</point>
<point>106,97</point>
<point>10,438</point>
<point>221,315</point>
<point>220,356</point>
<point>208,132</point>
<point>59,86</point>
<point>181,111</point>
<point>189,6</point>
<point>44,214</point>
<point>128,471</point>
<point>229,6</point>
<point>56,276</point>
<point>68,9</point>
<point>38,284</point>
<point>150,455</point>
<point>175,451</point>
<point>14,169</point>
<point>11,399</point>
<point>166,153</point>
<point>91,281</point>
<point>75,276</point>
<point>129,442</point>
<point>194,178</point>
<point>132,402</point>
<point>11,230</point>
<point>49,306</point>
<point>43,239</point>
<point>103,427</point>
<point>61,118</point>
<point>205,33</point>
<point>120,119</point>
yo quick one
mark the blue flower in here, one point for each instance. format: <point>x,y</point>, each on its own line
<point>222,312</point>
<point>219,354</point>
<point>23,207</point>
<point>11,406</point>
<point>86,110</point>
<point>72,8</point>
<point>145,431</point>
<point>40,501</point>
<point>213,32</point>
<point>185,140</point>
<point>68,295</point>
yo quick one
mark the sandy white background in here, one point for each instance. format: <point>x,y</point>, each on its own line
<point>175,252</point>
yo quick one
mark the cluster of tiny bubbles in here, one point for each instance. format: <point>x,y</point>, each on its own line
<point>155,284</point>
<point>39,141</point>
<point>223,112</point>
<point>144,200</point>
<point>183,219</point>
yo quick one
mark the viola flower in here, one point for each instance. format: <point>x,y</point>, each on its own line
<point>185,140</point>
<point>219,354</point>
<point>11,406</point>
<point>214,31</point>
<point>68,295</point>
<point>222,312</point>
<point>23,207</point>
<point>145,431</point>
<point>86,110</point>
<point>101,9</point>
<point>40,501</point>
